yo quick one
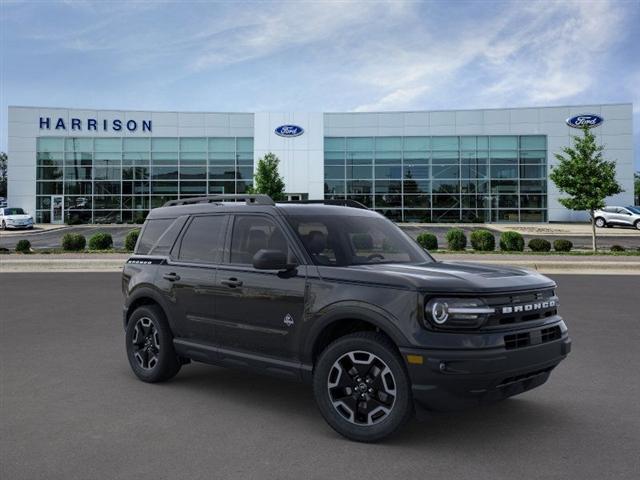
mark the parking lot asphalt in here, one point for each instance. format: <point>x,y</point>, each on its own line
<point>53,238</point>
<point>71,409</point>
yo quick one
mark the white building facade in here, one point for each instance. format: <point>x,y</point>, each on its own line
<point>71,165</point>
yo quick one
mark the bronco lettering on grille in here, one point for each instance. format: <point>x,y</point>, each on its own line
<point>529,307</point>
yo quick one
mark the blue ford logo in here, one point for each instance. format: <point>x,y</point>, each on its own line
<point>587,120</point>
<point>289,131</point>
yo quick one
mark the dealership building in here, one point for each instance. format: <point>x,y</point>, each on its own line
<point>425,166</point>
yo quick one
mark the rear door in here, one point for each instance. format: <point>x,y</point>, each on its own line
<point>189,277</point>
<point>259,310</point>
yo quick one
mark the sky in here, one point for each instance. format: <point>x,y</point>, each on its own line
<point>318,56</point>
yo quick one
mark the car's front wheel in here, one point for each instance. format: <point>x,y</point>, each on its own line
<point>637,224</point>
<point>600,223</point>
<point>362,387</point>
<point>149,343</point>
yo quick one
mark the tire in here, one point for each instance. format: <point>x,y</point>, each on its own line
<point>152,356</point>
<point>340,395</point>
<point>637,224</point>
<point>4,226</point>
<point>600,222</point>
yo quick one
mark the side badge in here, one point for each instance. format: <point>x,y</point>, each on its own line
<point>288,320</point>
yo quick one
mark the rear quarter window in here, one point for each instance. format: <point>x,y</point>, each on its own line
<point>159,235</point>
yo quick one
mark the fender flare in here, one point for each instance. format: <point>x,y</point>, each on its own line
<point>145,291</point>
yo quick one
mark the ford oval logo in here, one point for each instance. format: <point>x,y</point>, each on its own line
<point>289,131</point>
<point>587,120</point>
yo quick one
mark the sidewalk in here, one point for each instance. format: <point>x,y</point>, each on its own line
<point>545,229</point>
<point>610,265</point>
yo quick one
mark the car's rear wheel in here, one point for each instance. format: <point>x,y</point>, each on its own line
<point>637,224</point>
<point>149,344</point>
<point>362,387</point>
<point>600,222</point>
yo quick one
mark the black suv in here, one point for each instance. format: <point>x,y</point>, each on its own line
<point>337,296</point>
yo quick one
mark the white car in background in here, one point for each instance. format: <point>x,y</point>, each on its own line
<point>15,218</point>
<point>621,216</point>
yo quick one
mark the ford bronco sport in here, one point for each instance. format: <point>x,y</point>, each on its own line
<point>337,296</point>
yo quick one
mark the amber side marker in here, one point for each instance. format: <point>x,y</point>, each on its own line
<point>415,359</point>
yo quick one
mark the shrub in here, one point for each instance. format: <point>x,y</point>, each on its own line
<point>23,246</point>
<point>73,242</point>
<point>427,240</point>
<point>511,242</point>
<point>100,241</point>
<point>539,245</point>
<point>562,245</point>
<point>483,240</point>
<point>456,239</point>
<point>131,239</point>
<point>617,248</point>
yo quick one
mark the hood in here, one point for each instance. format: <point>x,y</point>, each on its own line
<point>449,277</point>
<point>18,217</point>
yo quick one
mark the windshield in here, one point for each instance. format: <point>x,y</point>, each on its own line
<point>344,240</point>
<point>13,211</point>
<point>634,210</point>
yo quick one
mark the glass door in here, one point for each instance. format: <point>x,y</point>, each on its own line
<point>57,209</point>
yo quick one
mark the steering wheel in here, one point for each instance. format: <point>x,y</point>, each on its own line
<point>375,255</point>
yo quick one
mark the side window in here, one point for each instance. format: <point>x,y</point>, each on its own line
<point>315,237</point>
<point>204,239</point>
<point>152,231</point>
<point>252,233</point>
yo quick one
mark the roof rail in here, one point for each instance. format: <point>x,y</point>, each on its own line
<point>339,202</point>
<point>248,199</point>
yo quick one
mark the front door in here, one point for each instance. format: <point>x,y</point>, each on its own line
<point>57,209</point>
<point>258,310</point>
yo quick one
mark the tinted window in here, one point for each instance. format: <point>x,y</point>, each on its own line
<point>204,239</point>
<point>151,233</point>
<point>253,233</point>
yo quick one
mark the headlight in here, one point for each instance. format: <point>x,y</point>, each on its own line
<point>457,312</point>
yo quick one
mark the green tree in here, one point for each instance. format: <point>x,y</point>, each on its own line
<point>585,177</point>
<point>267,180</point>
<point>636,188</point>
<point>3,174</point>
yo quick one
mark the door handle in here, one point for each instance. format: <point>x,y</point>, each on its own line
<point>232,282</point>
<point>172,276</point>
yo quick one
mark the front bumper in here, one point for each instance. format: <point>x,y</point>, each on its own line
<point>451,379</point>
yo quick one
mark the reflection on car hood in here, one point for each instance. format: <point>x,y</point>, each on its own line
<point>451,277</point>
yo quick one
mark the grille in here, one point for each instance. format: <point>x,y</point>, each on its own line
<point>525,376</point>
<point>525,339</point>
<point>532,303</point>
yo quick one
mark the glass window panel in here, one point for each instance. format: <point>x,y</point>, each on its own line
<point>160,200</point>
<point>504,157</point>
<point>49,173</point>
<point>388,172</point>
<point>416,158</point>
<point>334,172</point>
<point>359,158</point>
<point>445,186</point>
<point>382,201</point>
<point>473,171</point>
<point>364,172</point>
<point>222,144</point>
<point>503,142</point>
<point>141,173</point>
<point>106,202</point>
<point>388,143</point>
<point>50,188</point>
<point>417,201</point>
<point>448,171</point>
<point>334,144</point>
<point>140,188</point>
<point>412,171</point>
<point>533,216</point>
<point>504,171</point>
<point>193,173</point>
<point>77,173</point>
<point>533,142</point>
<point>533,201</point>
<point>334,158</point>
<point>107,145</point>
<point>245,159</point>
<point>164,173</point>
<point>241,187</point>
<point>107,173</point>
<point>222,188</point>
<point>127,173</point>
<point>139,144</point>
<point>43,202</point>
<point>418,216</point>
<point>413,186</point>
<point>193,188</point>
<point>394,215</point>
<point>471,201</point>
<point>78,144</point>
<point>482,143</point>
<point>164,158</point>
<point>468,143</point>
<point>504,186</point>
<point>193,145</point>
<point>388,158</point>
<point>106,188</point>
<point>77,188</point>
<point>508,201</point>
<point>532,171</point>
<point>244,173</point>
<point>366,200</point>
<point>244,144</point>
<point>533,156</point>
<point>77,203</point>
<point>220,158</point>
<point>50,144</point>
<point>193,158</point>
<point>506,216</point>
<point>388,186</point>
<point>445,201</point>
<point>83,158</point>
<point>333,187</point>
<point>533,186</point>
<point>220,173</point>
<point>482,156</point>
<point>50,158</point>
<point>444,143</point>
<point>468,158</point>
<point>475,216</point>
<point>355,144</point>
<point>417,143</point>
<point>359,186</point>
<point>166,188</point>
<point>252,233</point>
<point>164,144</point>
<point>135,158</point>
<point>445,158</point>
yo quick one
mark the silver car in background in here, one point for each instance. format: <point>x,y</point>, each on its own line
<point>620,216</point>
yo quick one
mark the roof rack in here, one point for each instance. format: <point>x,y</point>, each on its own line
<point>339,202</point>
<point>248,199</point>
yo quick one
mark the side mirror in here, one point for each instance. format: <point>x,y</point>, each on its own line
<point>271,260</point>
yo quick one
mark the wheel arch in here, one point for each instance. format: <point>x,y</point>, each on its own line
<point>144,296</point>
